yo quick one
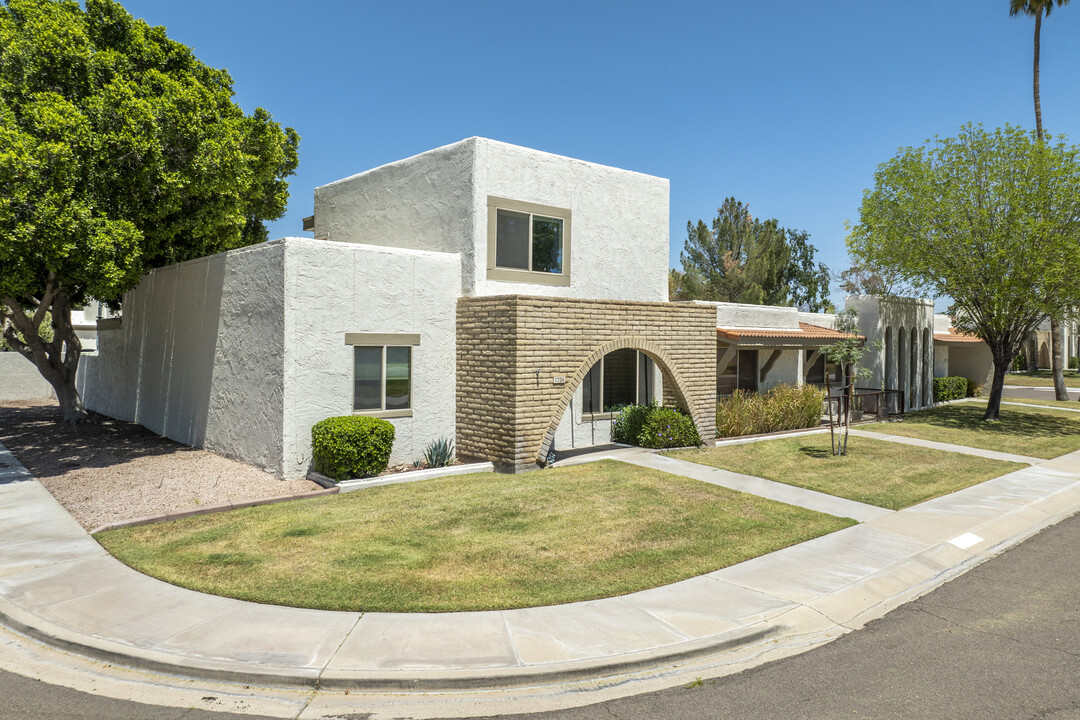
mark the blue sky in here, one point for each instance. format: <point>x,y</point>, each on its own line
<point>787,105</point>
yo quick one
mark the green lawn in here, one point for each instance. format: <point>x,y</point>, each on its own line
<point>1034,432</point>
<point>1041,378</point>
<point>471,542</point>
<point>876,472</point>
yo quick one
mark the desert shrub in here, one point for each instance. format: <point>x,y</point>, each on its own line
<point>629,422</point>
<point>1019,363</point>
<point>439,453</point>
<point>784,407</point>
<point>351,446</point>
<point>973,388</point>
<point>667,428</point>
<point>950,388</point>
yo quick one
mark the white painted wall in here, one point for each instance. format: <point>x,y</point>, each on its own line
<point>941,360</point>
<point>21,380</point>
<point>338,288</point>
<point>787,369</point>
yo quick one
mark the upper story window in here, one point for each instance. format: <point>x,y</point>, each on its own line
<point>528,243</point>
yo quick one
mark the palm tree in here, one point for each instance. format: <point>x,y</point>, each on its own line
<point>1039,8</point>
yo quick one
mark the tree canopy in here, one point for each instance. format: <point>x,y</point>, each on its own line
<point>747,260</point>
<point>989,218</point>
<point>119,152</point>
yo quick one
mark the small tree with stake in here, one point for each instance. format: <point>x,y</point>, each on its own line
<point>846,354</point>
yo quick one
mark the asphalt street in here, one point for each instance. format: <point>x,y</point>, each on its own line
<point>1037,393</point>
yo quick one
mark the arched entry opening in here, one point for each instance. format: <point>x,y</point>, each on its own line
<point>889,381</point>
<point>927,369</point>
<point>674,386</point>
<point>902,358</point>
<point>913,379</point>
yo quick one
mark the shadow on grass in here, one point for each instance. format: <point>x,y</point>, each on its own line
<point>1013,421</point>
<point>49,447</point>
<point>816,451</point>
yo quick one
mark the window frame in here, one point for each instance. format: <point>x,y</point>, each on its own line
<point>383,341</point>
<point>536,277</point>
<point>587,416</point>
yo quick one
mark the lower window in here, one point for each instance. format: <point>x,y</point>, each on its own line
<point>382,378</point>
<point>621,378</point>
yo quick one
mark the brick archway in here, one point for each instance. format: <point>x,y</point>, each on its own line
<point>673,384</point>
<point>520,358</point>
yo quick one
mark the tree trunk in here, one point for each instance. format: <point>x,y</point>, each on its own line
<point>1057,364</point>
<point>993,404</point>
<point>57,360</point>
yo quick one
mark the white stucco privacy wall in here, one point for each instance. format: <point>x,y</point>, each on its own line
<point>338,288</point>
<point>198,357</point>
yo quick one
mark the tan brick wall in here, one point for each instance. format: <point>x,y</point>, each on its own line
<point>510,347</point>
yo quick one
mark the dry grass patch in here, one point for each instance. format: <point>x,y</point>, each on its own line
<point>471,542</point>
<point>875,472</point>
<point>1035,432</point>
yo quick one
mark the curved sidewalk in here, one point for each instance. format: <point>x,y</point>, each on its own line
<point>57,584</point>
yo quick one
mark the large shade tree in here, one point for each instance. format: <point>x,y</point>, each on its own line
<point>119,152</point>
<point>744,259</point>
<point>989,218</point>
<point>1038,9</point>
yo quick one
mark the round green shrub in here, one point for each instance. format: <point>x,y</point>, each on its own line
<point>628,424</point>
<point>351,446</point>
<point>666,428</point>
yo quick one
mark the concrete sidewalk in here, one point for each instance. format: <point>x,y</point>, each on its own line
<point>57,584</point>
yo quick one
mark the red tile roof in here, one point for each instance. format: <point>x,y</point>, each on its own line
<point>956,336</point>
<point>806,331</point>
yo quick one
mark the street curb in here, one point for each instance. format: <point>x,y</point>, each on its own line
<point>61,638</point>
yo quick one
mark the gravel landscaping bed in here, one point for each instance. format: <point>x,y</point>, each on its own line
<point>107,470</point>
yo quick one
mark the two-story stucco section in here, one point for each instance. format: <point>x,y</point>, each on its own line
<point>439,201</point>
<point>245,351</point>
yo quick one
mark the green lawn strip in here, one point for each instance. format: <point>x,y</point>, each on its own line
<point>875,472</point>
<point>1068,404</point>
<point>471,542</point>
<point>1040,378</point>
<point>1035,432</point>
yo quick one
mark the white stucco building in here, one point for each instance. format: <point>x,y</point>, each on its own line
<point>244,351</point>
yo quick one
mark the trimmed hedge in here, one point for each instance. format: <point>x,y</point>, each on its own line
<point>784,407</point>
<point>654,427</point>
<point>351,446</point>
<point>951,388</point>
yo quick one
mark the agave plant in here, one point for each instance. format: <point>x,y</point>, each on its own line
<point>439,453</point>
